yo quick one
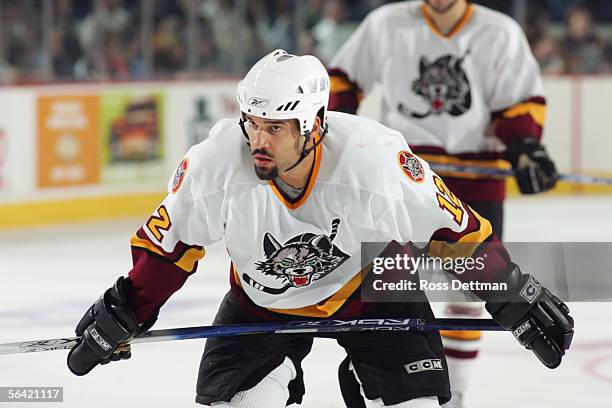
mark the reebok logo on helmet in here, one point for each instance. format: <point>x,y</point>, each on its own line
<point>258,102</point>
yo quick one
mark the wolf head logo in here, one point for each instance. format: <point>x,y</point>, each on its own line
<point>303,259</point>
<point>444,85</point>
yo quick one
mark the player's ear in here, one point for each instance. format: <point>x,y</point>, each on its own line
<point>316,126</point>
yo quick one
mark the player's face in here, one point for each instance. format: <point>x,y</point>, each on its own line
<point>441,5</point>
<point>275,145</point>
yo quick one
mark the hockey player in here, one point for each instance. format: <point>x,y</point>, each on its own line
<point>293,190</point>
<point>461,84</point>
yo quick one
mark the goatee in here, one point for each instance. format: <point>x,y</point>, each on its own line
<point>266,174</point>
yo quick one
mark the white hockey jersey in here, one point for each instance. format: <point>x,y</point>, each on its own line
<point>365,186</point>
<point>442,89</point>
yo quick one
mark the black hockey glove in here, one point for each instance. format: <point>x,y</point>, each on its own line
<point>534,171</point>
<point>537,318</point>
<point>105,328</point>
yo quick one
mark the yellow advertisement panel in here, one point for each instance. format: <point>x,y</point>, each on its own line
<point>131,125</point>
<point>68,141</point>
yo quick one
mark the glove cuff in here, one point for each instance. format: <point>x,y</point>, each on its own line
<point>510,306</point>
<point>519,147</point>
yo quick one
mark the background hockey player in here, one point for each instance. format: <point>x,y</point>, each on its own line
<point>461,84</point>
<point>322,184</point>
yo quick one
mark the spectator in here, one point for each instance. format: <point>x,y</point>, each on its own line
<point>234,38</point>
<point>168,47</point>
<point>274,25</point>
<point>208,54</point>
<point>583,49</point>
<point>62,63</point>
<point>333,30</point>
<point>113,18</point>
<point>21,34</point>
<point>8,73</point>
<point>547,52</point>
<point>311,13</point>
<point>65,47</point>
<point>133,49</point>
<point>116,65</point>
<point>306,43</point>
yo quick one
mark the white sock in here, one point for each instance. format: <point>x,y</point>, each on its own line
<point>459,372</point>
<point>458,346</point>
<point>271,392</point>
<point>423,402</point>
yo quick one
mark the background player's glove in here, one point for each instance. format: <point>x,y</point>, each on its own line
<point>105,328</point>
<point>538,319</point>
<point>534,171</point>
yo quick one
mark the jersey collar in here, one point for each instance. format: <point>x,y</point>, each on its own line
<point>301,199</point>
<point>456,28</point>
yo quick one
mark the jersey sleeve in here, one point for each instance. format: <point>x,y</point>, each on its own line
<point>354,69</point>
<point>167,248</point>
<point>516,97</point>
<point>447,224</point>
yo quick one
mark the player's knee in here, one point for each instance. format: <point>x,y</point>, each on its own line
<point>271,392</point>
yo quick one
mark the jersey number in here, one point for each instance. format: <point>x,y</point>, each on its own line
<point>157,224</point>
<point>448,201</point>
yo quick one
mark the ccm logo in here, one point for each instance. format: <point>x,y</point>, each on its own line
<point>101,342</point>
<point>432,364</point>
<point>258,102</point>
<point>521,329</point>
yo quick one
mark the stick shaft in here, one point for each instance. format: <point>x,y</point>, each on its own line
<point>294,327</point>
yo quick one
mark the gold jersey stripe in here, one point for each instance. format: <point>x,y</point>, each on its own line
<point>468,243</point>
<point>339,84</point>
<point>444,159</point>
<point>499,164</point>
<point>537,111</point>
<point>327,307</point>
<point>186,262</point>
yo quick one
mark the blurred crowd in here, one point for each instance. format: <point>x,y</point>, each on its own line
<point>579,49</point>
<point>68,40</point>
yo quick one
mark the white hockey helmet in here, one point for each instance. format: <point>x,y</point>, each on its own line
<point>284,86</point>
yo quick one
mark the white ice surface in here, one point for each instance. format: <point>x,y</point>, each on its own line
<point>50,276</point>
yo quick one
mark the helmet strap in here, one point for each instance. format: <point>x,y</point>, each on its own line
<point>305,151</point>
<point>244,132</point>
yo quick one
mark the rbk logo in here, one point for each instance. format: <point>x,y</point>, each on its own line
<point>258,102</point>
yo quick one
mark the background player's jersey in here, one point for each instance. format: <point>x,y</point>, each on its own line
<point>442,91</point>
<point>301,256</point>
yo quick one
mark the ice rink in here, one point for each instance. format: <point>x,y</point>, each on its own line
<point>50,276</point>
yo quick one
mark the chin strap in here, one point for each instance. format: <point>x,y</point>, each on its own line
<point>305,151</point>
<point>244,132</point>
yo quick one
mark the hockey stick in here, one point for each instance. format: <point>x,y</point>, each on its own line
<point>486,171</point>
<point>295,327</point>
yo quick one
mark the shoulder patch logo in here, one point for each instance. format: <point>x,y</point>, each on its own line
<point>411,166</point>
<point>179,175</point>
<point>297,263</point>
